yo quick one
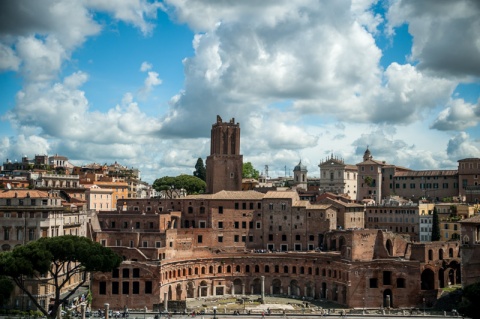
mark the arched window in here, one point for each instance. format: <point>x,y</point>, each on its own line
<point>285,269</point>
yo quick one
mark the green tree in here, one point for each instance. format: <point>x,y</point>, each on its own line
<point>248,171</point>
<point>368,180</point>
<point>60,259</point>
<point>435,226</point>
<point>470,306</point>
<point>6,289</point>
<point>200,170</point>
<point>192,184</point>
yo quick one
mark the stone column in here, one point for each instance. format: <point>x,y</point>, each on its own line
<point>243,289</point>
<point>82,309</point>
<point>263,289</point>
<point>165,301</point>
<point>107,306</point>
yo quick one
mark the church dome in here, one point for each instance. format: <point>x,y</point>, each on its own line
<point>300,167</point>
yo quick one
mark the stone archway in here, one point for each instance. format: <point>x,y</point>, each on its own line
<point>276,287</point>
<point>428,279</point>
<point>387,298</point>
<point>389,247</point>
<point>257,287</point>
<point>324,290</point>
<point>237,287</point>
<point>203,289</point>
<point>178,291</point>
<point>190,290</point>
<point>294,288</point>
<point>310,290</point>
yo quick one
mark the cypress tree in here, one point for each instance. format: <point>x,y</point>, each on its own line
<point>435,226</point>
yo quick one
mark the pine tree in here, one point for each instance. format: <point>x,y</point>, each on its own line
<point>435,226</point>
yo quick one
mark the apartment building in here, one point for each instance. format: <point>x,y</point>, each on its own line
<point>27,215</point>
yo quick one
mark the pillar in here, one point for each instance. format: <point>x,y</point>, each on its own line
<point>165,301</point>
<point>107,306</point>
<point>82,309</point>
<point>263,289</point>
<point>243,289</point>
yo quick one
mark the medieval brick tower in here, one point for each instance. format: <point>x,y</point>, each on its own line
<point>224,165</point>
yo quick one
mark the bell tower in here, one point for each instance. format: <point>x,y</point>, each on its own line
<point>224,164</point>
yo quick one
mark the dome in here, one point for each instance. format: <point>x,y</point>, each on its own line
<point>300,167</point>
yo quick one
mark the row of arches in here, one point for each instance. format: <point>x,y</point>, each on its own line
<point>248,269</point>
<point>240,286</point>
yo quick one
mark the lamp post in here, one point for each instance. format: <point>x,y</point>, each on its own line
<point>214,312</point>
<point>363,305</point>
<point>424,306</point>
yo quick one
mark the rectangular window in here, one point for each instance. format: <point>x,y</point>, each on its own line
<point>250,238</point>
<point>220,239</point>
<point>220,224</point>
<point>270,236</point>
<point>116,273</point>
<point>244,238</point>
<point>102,287</point>
<point>115,288</point>
<point>220,210</point>
<point>148,287</point>
<point>387,278</point>
<point>244,205</point>
<point>125,288</point>
<point>136,273</point>
<point>259,225</point>
<point>236,205</point>
<point>125,273</point>
<point>157,244</point>
<point>135,287</point>
<point>199,239</point>
<point>244,225</point>
<point>373,283</point>
<point>237,225</point>
<point>236,238</point>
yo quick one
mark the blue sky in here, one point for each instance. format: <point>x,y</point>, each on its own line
<point>141,82</point>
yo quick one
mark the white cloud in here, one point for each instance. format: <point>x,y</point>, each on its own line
<point>150,82</point>
<point>458,116</point>
<point>145,66</point>
<point>446,34</point>
<point>8,59</point>
<point>461,146</point>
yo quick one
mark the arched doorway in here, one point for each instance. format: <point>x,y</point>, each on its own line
<point>190,290</point>
<point>179,292</point>
<point>341,243</point>
<point>237,287</point>
<point>203,289</point>
<point>387,298</point>
<point>310,290</point>
<point>276,287</point>
<point>428,279</point>
<point>294,289</point>
<point>323,293</point>
<point>256,287</point>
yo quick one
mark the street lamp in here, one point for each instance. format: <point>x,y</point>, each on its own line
<point>424,306</point>
<point>214,312</point>
<point>363,305</point>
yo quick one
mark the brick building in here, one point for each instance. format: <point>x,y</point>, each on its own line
<point>230,242</point>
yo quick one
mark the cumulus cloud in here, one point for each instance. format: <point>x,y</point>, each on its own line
<point>445,34</point>
<point>151,81</point>
<point>459,115</point>
<point>461,146</point>
<point>8,59</point>
<point>145,66</point>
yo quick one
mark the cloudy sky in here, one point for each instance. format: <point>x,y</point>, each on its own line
<point>141,82</point>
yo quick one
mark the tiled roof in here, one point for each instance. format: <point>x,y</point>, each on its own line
<point>244,195</point>
<point>286,194</point>
<point>427,173</point>
<point>475,220</point>
<point>22,193</point>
